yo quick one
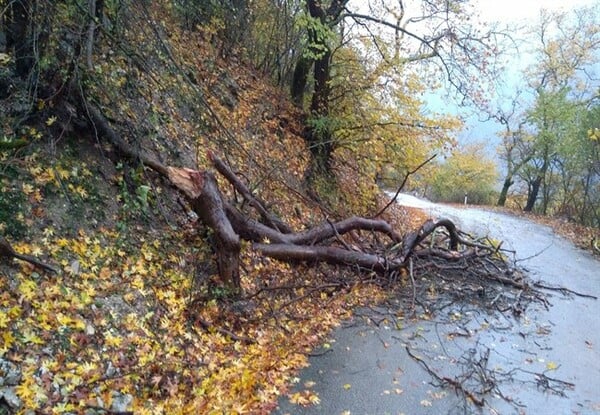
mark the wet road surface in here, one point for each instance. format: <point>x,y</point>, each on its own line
<point>547,362</point>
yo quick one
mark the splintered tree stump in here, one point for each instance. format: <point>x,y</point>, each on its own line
<point>200,187</point>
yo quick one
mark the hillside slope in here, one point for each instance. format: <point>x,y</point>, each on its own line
<point>136,320</point>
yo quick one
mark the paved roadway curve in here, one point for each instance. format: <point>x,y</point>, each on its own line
<point>368,371</point>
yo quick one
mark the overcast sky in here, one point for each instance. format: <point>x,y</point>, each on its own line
<point>516,11</point>
<point>519,13</point>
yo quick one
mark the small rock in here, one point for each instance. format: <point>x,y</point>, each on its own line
<point>89,329</point>
<point>75,267</point>
<point>121,402</point>
<point>10,397</point>
<point>10,375</point>
<point>110,370</point>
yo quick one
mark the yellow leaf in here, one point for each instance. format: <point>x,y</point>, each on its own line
<point>28,289</point>
<point>111,340</point>
<point>31,337</point>
<point>314,399</point>
<point>4,320</point>
<point>81,192</point>
<point>7,341</point>
<point>297,398</point>
<point>27,188</point>
<point>51,120</point>
<point>551,366</point>
<point>347,386</point>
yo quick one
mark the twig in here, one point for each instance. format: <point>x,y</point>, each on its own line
<point>414,286</point>
<point>207,326</point>
<point>406,176</point>
<point>547,287</point>
<point>317,354</point>
<point>444,379</point>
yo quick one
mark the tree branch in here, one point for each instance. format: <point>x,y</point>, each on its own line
<point>7,251</point>
<point>406,176</point>
<point>267,216</point>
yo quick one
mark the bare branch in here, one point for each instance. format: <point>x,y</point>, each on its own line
<point>406,176</point>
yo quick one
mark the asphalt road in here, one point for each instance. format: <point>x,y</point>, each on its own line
<point>547,362</point>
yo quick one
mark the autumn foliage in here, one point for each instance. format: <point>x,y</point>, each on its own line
<point>134,320</point>
<point>105,149</point>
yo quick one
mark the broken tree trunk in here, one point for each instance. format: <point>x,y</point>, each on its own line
<point>200,189</point>
<point>203,194</point>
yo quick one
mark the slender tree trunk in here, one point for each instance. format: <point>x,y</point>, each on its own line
<point>89,47</point>
<point>584,204</point>
<point>320,139</point>
<point>546,190</point>
<point>534,189</point>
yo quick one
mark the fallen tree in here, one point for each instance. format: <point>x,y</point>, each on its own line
<point>272,237</point>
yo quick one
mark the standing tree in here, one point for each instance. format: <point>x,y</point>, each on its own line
<point>20,34</point>
<point>561,83</point>
<point>515,149</point>
<point>553,118</point>
<point>440,32</point>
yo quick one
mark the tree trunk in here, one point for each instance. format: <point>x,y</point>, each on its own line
<point>21,37</point>
<point>322,243</point>
<point>508,182</point>
<point>533,194</point>
<point>320,135</point>
<point>89,47</point>
<point>299,80</point>
<point>203,193</point>
<point>536,185</point>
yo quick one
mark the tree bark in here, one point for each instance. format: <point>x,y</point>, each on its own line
<point>299,80</point>
<point>89,47</point>
<point>199,187</point>
<point>203,193</point>
<point>329,254</point>
<point>532,195</point>
<point>536,185</point>
<point>320,134</point>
